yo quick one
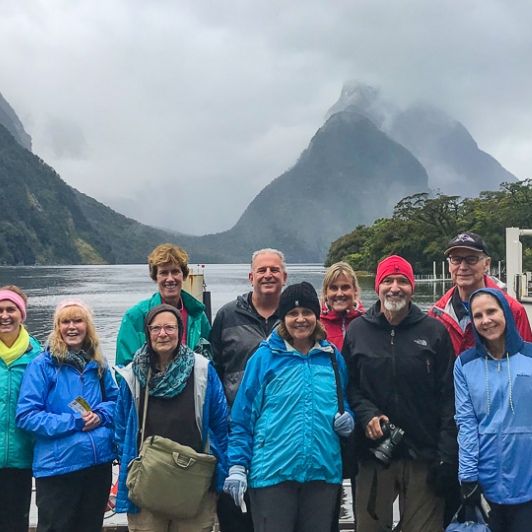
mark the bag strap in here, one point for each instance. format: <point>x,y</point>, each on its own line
<point>145,409</point>
<point>339,392</point>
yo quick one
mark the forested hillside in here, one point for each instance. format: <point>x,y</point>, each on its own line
<point>46,221</point>
<point>421,227</point>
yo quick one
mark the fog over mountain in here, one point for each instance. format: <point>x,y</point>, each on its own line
<point>202,104</point>
<point>454,162</point>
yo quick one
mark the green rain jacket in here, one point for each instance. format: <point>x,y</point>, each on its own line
<point>131,335</point>
<point>16,445</point>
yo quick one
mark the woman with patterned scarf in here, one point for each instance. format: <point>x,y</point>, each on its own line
<point>186,404</point>
<point>17,350</point>
<point>67,401</point>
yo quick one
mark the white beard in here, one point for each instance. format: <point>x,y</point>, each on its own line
<point>395,306</point>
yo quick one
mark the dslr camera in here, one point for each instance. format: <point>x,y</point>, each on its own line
<point>384,451</point>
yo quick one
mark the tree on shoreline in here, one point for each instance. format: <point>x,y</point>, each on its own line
<point>420,228</point>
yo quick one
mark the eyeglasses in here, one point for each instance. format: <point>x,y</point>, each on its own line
<point>470,259</point>
<point>168,329</point>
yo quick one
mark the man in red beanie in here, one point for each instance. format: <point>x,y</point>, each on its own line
<point>400,365</point>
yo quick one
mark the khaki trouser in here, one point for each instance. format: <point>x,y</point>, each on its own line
<point>146,521</point>
<point>377,489</point>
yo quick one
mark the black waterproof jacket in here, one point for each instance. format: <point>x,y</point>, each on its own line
<point>237,331</point>
<point>405,372</point>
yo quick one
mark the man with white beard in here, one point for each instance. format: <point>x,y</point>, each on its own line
<point>400,365</point>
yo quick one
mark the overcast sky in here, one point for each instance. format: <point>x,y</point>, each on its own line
<point>181,111</point>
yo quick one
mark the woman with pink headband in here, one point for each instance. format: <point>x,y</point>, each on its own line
<point>17,350</point>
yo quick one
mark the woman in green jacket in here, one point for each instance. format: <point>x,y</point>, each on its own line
<point>17,350</point>
<point>168,269</point>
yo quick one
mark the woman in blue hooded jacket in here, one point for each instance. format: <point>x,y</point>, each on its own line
<point>67,401</point>
<point>493,387</point>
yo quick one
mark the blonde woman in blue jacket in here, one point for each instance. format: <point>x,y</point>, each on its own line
<point>285,432</point>
<point>67,401</point>
<point>17,350</point>
<point>493,387</point>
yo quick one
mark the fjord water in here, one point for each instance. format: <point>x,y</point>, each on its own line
<point>111,290</point>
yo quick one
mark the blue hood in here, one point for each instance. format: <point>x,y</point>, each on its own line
<point>514,342</point>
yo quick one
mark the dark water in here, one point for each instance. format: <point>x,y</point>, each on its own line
<point>111,290</point>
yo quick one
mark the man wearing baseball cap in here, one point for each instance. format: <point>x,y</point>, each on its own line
<point>469,264</point>
<point>400,364</point>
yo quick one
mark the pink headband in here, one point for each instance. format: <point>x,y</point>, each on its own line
<point>14,298</point>
<point>73,303</point>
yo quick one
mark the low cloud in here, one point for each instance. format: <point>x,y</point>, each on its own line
<point>185,110</point>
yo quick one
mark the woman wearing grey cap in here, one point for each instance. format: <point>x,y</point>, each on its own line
<point>285,424</point>
<point>186,404</point>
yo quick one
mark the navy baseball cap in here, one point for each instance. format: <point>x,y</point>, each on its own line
<point>468,241</point>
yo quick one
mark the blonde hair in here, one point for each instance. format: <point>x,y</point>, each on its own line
<point>337,269</point>
<point>318,334</point>
<point>168,253</point>
<point>91,344</point>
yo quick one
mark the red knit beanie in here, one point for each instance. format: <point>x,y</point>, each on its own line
<point>394,265</point>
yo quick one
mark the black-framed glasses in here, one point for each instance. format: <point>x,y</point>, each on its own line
<point>470,259</point>
<point>168,329</point>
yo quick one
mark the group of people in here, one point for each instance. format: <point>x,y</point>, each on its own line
<point>430,408</point>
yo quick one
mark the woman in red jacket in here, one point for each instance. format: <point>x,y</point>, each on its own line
<point>339,307</point>
<point>340,303</point>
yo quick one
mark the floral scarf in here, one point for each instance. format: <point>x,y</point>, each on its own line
<point>172,380</point>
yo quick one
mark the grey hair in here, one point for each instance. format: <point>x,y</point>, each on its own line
<point>280,254</point>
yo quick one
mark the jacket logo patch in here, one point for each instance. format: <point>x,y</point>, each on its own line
<point>421,342</point>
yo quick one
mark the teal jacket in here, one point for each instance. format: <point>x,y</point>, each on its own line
<point>283,415</point>
<point>131,336</point>
<point>16,445</point>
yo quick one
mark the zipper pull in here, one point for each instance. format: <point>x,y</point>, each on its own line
<point>428,366</point>
<point>392,334</point>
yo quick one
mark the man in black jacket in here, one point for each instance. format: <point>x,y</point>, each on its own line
<point>400,365</point>
<point>237,331</point>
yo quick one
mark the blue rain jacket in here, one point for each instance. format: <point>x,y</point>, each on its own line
<point>282,418</point>
<point>61,446</point>
<point>494,415</point>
